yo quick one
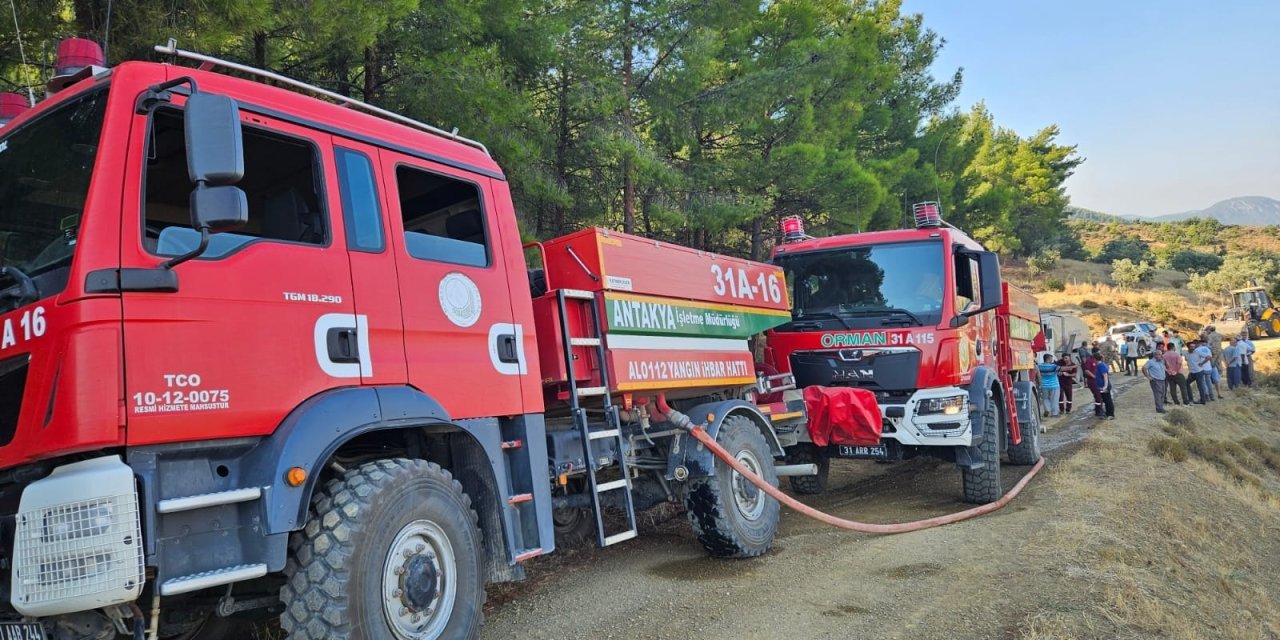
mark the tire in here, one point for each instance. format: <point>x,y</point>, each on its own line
<point>982,485</point>
<point>573,527</point>
<point>731,517</point>
<point>1028,451</point>
<point>340,563</point>
<point>1272,326</point>
<point>807,453</point>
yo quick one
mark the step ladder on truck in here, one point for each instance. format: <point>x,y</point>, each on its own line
<point>269,360</point>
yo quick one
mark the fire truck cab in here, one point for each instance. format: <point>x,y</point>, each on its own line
<point>266,354</point>
<point>921,318</point>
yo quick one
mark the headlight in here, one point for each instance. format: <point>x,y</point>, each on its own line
<point>949,406</point>
<point>78,520</point>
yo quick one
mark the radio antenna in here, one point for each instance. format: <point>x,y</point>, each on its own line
<point>106,37</point>
<point>17,30</point>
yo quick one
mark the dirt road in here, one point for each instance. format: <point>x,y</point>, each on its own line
<point>976,579</point>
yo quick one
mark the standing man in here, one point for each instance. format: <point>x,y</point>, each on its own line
<point>1191,369</point>
<point>1215,347</point>
<point>1175,381</point>
<point>1082,354</point>
<point>1176,340</point>
<point>1109,350</point>
<point>1154,372</point>
<point>1246,366</point>
<point>1090,368</point>
<point>1103,381</point>
<point>1066,379</point>
<point>1049,389</point>
<point>1124,353</point>
<point>1234,357</point>
<point>1203,358</point>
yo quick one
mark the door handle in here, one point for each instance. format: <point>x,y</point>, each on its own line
<point>342,345</point>
<point>507,348</point>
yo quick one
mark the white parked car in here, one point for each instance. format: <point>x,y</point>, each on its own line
<point>1143,333</point>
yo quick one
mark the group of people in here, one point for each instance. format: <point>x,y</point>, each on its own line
<point>1174,369</point>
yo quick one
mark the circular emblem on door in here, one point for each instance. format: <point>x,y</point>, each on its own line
<point>460,299</point>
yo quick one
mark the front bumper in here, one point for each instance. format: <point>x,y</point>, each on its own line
<point>907,424</point>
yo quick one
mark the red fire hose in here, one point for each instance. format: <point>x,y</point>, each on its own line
<point>683,421</point>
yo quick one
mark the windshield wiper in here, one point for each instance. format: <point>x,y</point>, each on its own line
<point>820,315</point>
<point>26,289</point>
<point>889,310</point>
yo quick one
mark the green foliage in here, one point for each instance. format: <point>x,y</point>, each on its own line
<point>1194,262</point>
<point>1236,272</point>
<point>1128,273</point>
<point>697,122</point>
<point>1054,284</point>
<point>1043,262</point>
<point>1123,248</point>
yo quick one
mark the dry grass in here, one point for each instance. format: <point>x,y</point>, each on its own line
<point>1102,305</point>
<point>1180,544</point>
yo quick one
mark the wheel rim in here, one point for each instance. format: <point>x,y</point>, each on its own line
<point>419,581</point>
<point>566,520</point>
<point>746,496</point>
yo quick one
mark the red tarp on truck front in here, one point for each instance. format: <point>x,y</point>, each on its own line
<point>841,415</point>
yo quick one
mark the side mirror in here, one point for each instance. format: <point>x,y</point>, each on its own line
<point>959,321</point>
<point>219,209</point>
<point>215,146</point>
<point>991,287</point>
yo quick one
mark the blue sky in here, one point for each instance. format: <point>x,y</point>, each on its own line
<point>1176,104</point>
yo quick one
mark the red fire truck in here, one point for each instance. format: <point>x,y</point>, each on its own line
<point>921,319</point>
<point>267,354</point>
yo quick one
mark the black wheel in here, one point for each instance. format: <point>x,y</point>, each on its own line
<point>573,527</point>
<point>808,453</point>
<point>391,551</point>
<point>1027,451</point>
<point>731,517</point>
<point>982,484</point>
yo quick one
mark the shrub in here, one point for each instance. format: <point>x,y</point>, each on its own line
<point>1197,262</point>
<point>1088,304</point>
<point>1168,448</point>
<point>1054,284</point>
<point>1126,273</point>
<point>1043,262</point>
<point>1124,248</point>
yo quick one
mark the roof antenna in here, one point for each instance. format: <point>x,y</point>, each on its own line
<point>106,37</point>
<point>17,30</point>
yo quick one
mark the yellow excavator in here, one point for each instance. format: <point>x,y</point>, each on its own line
<point>1251,310</point>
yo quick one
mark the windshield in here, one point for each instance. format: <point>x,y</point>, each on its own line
<point>45,166</point>
<point>868,286</point>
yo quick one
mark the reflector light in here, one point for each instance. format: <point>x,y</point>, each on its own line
<point>11,105</point>
<point>928,214</point>
<point>75,54</point>
<point>792,229</point>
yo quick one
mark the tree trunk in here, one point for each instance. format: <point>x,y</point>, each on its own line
<point>757,239</point>
<point>562,149</point>
<point>628,180</point>
<point>372,74</point>
<point>260,49</point>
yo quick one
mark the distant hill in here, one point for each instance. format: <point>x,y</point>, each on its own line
<point>1247,210</point>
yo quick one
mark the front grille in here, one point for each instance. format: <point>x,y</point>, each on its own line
<point>892,370</point>
<point>13,385</point>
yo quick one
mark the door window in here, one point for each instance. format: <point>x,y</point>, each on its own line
<point>280,183</point>
<point>443,218</point>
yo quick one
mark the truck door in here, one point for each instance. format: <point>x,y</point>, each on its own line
<point>460,341</point>
<point>264,318</point>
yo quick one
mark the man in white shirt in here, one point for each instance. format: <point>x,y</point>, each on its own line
<point>1202,360</point>
<point>1247,351</point>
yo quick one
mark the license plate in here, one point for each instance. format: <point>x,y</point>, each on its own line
<point>21,631</point>
<point>875,451</point>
